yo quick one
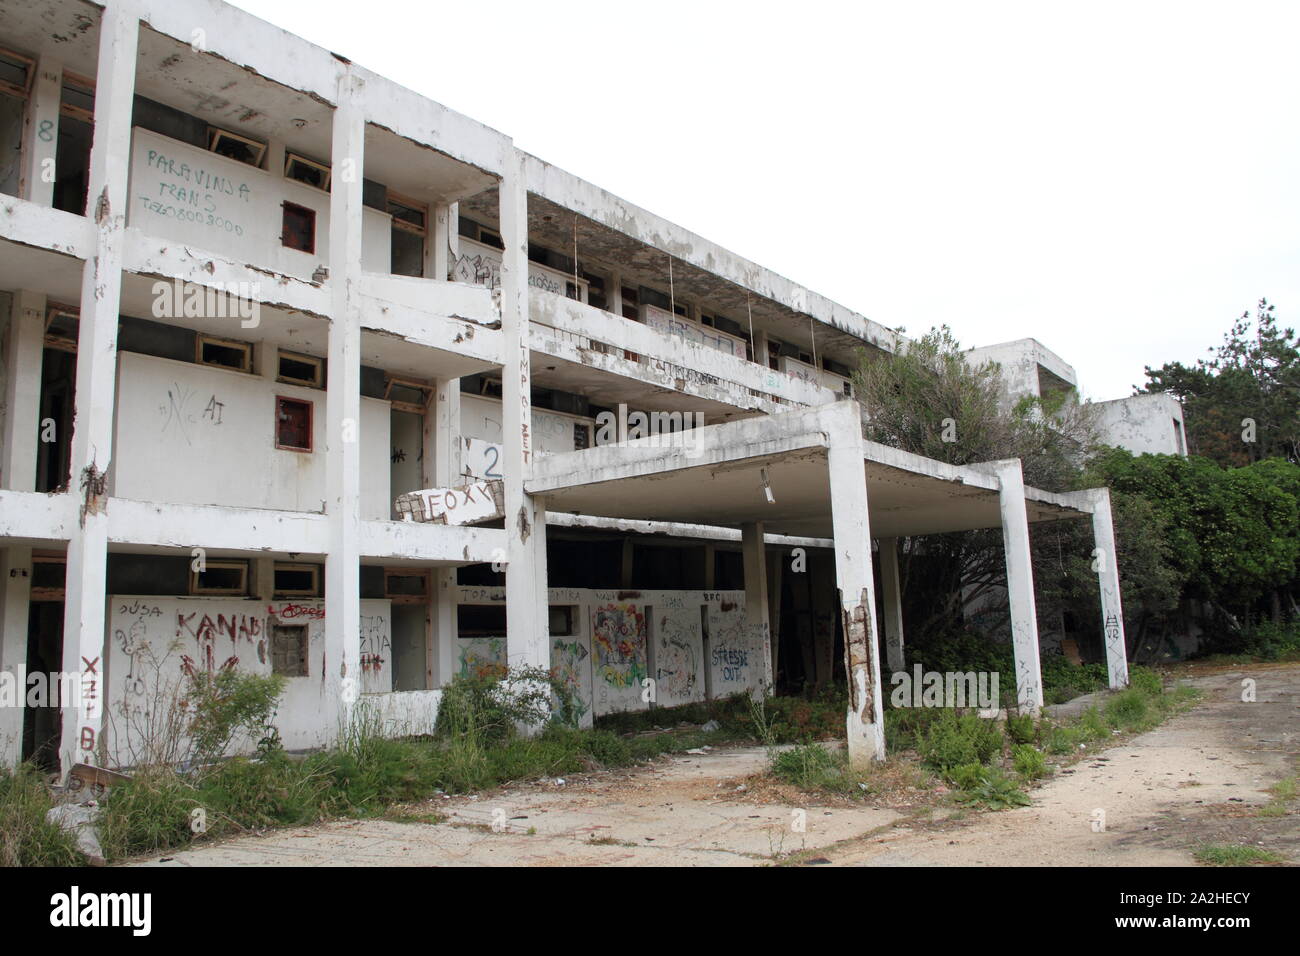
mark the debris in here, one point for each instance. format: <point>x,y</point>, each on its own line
<point>79,819</point>
<point>709,726</point>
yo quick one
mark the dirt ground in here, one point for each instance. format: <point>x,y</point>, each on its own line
<point>1201,777</point>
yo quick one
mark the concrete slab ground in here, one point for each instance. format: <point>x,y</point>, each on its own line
<point>1200,778</point>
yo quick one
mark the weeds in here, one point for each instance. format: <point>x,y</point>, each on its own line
<point>1234,854</point>
<point>25,838</point>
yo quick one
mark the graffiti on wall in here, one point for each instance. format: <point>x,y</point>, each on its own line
<point>571,667</point>
<point>678,652</point>
<point>482,657</point>
<point>618,650</point>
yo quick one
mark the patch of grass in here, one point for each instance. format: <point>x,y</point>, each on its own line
<point>1284,793</point>
<point>25,838</point>
<point>1234,854</point>
<point>1021,729</point>
<point>412,815</point>
<point>808,767</point>
<point>988,787</point>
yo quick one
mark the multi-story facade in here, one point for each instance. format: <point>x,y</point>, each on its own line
<point>306,374</point>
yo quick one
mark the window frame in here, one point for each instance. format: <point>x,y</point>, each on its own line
<point>246,348</point>
<point>216,134</point>
<point>291,158</point>
<point>311,423</point>
<point>314,591</point>
<point>285,207</point>
<point>312,360</point>
<point>223,564</point>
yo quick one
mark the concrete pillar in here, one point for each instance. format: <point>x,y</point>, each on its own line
<point>1106,561</point>
<point>15,601</point>
<point>23,354</point>
<point>774,571</point>
<point>614,294</point>
<point>96,385</point>
<point>627,564</point>
<point>710,566</point>
<point>342,680</point>
<point>865,721</point>
<point>441,470</point>
<point>444,241</point>
<point>754,554</point>
<point>1020,585</point>
<point>41,133</point>
<point>527,623</point>
<point>892,597</point>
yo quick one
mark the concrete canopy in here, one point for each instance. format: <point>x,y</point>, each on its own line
<point>715,476</point>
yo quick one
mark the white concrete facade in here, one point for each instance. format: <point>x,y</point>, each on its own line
<point>216,485</point>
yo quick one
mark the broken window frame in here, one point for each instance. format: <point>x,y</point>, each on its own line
<point>311,591</point>
<point>198,588</point>
<point>216,135</point>
<point>424,388</point>
<point>53,340</point>
<point>24,91</point>
<point>78,84</point>
<point>44,593</point>
<point>244,348</point>
<point>292,159</point>
<point>280,400</point>
<point>318,381</point>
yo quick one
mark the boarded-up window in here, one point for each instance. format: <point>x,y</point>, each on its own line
<point>289,650</point>
<point>292,424</point>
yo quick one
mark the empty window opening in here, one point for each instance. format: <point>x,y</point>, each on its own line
<point>220,577</point>
<point>307,171</point>
<point>16,72</point>
<point>481,620</point>
<point>299,228</point>
<point>233,146</point>
<point>293,420</point>
<point>297,369</point>
<point>72,147</point>
<point>224,353</point>
<point>297,580</point>
<point>48,575</point>
<point>561,619</point>
<point>289,643</point>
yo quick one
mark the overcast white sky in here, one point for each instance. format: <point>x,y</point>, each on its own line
<point>1117,180</point>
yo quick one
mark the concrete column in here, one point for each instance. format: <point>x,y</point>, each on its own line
<point>774,571</point>
<point>15,601</point>
<point>865,721</point>
<point>527,624</point>
<point>41,133</point>
<point>442,469</point>
<point>893,604</point>
<point>1106,561</point>
<point>627,563</point>
<point>23,355</point>
<point>754,554</point>
<point>1020,585</point>
<point>614,294</point>
<point>96,385</point>
<point>342,680</point>
<point>710,565</point>
<point>444,241</point>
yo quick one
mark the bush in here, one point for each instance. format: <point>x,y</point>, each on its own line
<point>1146,680</point>
<point>1020,728</point>
<point>25,838</point>
<point>150,812</point>
<point>990,787</point>
<point>490,708</point>
<point>953,740</point>
<point>1128,709</point>
<point>227,707</point>
<point>1028,761</point>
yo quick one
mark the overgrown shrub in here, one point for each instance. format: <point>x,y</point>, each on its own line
<point>229,707</point>
<point>952,740</point>
<point>1028,761</point>
<point>1020,728</point>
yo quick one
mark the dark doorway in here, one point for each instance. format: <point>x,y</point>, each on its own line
<point>42,728</point>
<point>54,451</point>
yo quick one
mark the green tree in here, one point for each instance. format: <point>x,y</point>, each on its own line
<point>1248,389</point>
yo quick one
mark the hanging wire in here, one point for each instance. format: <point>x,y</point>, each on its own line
<point>812,329</point>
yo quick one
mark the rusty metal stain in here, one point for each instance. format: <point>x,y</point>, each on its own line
<point>857,658</point>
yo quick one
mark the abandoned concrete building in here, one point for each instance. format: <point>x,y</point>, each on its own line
<point>306,374</point>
